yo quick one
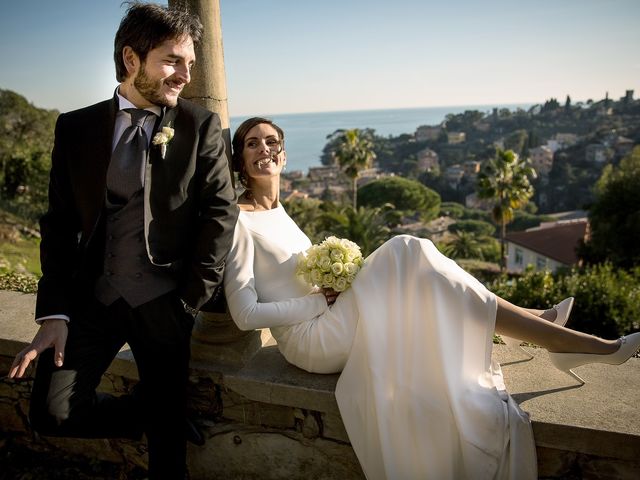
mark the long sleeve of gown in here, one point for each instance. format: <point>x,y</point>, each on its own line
<point>247,309</point>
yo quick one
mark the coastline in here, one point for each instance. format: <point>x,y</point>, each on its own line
<point>306,133</point>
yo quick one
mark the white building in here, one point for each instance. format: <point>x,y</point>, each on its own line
<point>426,132</point>
<point>427,160</point>
<point>541,159</point>
<point>547,247</point>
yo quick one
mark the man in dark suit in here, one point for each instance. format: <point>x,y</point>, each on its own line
<point>140,219</point>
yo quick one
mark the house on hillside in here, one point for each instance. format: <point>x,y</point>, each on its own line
<point>320,174</point>
<point>456,138</point>
<point>623,146</point>
<point>453,174</point>
<point>427,160</point>
<point>596,153</point>
<point>541,159</point>
<point>471,168</point>
<point>426,132</point>
<point>562,140</point>
<point>547,247</point>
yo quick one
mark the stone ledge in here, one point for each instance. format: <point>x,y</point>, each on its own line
<point>600,418</point>
<point>592,429</point>
<point>269,378</point>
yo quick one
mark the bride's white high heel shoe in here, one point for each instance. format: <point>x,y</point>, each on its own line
<point>566,361</point>
<point>563,310</point>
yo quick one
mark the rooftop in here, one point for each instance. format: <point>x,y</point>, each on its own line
<point>558,242</point>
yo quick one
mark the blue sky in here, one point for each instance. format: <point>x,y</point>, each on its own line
<point>285,56</point>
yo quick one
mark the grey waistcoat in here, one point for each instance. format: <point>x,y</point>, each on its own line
<point>128,272</point>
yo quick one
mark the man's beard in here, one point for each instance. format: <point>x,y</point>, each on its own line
<point>150,89</point>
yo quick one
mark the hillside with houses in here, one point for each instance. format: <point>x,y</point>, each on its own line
<point>573,232</point>
<point>567,144</point>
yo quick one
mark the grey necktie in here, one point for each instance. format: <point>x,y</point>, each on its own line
<point>126,170</point>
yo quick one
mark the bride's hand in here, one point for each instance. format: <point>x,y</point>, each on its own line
<point>330,295</point>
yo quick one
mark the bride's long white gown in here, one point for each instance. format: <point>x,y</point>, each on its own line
<point>413,336</point>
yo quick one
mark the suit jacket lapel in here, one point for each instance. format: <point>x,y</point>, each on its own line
<point>91,166</point>
<point>155,160</point>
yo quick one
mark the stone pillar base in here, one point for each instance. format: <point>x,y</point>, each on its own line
<point>217,342</point>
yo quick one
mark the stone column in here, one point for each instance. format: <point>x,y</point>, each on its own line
<point>216,339</point>
<point>208,85</point>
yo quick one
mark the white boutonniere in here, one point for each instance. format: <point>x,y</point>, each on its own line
<point>163,138</point>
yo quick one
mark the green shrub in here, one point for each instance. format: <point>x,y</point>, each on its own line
<point>409,196</point>
<point>477,227</point>
<point>490,248</point>
<point>452,209</point>
<point>18,282</point>
<point>607,299</point>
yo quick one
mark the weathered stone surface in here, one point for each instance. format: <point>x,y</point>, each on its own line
<point>17,326</point>
<point>269,419</point>
<point>333,428</point>
<point>269,378</point>
<point>241,452</point>
<point>563,465</point>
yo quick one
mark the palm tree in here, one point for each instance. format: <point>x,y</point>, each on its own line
<point>463,245</point>
<point>505,181</point>
<point>307,213</point>
<point>354,153</point>
<point>368,227</point>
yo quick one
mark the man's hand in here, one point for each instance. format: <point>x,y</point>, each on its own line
<point>52,333</point>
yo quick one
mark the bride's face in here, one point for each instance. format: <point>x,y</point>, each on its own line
<point>262,153</point>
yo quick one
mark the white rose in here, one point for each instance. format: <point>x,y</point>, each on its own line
<point>316,277</point>
<point>337,268</point>
<point>311,262</point>
<point>160,138</point>
<point>340,284</point>
<point>324,262</point>
<point>350,268</point>
<point>168,132</point>
<point>327,280</point>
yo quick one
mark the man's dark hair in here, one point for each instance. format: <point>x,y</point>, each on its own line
<point>147,25</point>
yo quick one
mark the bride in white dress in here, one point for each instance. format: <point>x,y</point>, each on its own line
<point>418,394</point>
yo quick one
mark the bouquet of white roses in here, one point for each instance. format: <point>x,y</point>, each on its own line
<point>333,263</point>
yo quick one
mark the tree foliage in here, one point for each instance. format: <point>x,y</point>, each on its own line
<point>463,245</point>
<point>607,298</point>
<point>368,227</point>
<point>26,140</point>
<point>406,195</point>
<point>505,181</point>
<point>307,213</point>
<point>476,227</point>
<point>615,215</point>
<point>354,153</point>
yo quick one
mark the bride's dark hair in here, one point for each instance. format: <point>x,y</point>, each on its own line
<point>237,144</point>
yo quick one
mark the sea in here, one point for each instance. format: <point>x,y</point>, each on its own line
<point>306,133</point>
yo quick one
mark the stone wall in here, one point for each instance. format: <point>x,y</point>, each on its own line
<point>245,437</point>
<point>267,419</point>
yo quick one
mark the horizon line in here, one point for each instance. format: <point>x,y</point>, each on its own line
<point>494,104</point>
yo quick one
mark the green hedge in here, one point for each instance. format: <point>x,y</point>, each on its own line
<point>607,300</point>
